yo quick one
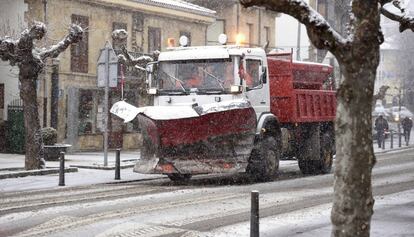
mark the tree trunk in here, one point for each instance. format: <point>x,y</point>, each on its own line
<point>353,201</point>
<point>28,78</point>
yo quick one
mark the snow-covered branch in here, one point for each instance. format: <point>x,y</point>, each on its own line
<point>396,12</point>
<point>16,51</point>
<point>125,57</point>
<point>74,36</point>
<point>322,35</point>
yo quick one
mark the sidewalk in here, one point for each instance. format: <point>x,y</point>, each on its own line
<point>395,144</point>
<point>84,176</point>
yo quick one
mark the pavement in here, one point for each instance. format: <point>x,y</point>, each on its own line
<point>388,217</point>
<point>85,168</point>
<point>89,166</point>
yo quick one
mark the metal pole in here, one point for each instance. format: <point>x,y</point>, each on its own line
<point>106,106</point>
<point>298,42</point>
<point>399,134</point>
<point>118,165</point>
<point>383,141</point>
<point>392,139</point>
<point>399,116</point>
<point>122,81</point>
<point>254,214</point>
<point>62,169</point>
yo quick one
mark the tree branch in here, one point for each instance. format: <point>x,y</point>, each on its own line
<point>74,36</point>
<point>405,21</point>
<point>25,43</point>
<point>125,57</point>
<point>322,35</point>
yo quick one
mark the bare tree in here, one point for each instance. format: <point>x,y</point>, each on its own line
<point>358,56</point>
<point>30,61</point>
<point>126,59</point>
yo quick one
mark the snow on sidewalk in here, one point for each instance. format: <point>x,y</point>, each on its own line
<point>82,177</point>
<point>393,216</point>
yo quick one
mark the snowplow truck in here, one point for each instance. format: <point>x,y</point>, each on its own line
<point>232,109</point>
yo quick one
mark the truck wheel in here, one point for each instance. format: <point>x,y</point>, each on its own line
<point>308,153</point>
<point>327,152</point>
<point>264,160</point>
<point>179,177</point>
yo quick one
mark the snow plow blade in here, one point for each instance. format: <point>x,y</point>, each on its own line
<point>213,138</point>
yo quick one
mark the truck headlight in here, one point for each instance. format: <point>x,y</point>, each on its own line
<point>235,89</point>
<point>152,91</point>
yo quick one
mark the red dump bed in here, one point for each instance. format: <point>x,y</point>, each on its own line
<point>300,91</point>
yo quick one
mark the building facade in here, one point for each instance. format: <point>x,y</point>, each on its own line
<point>68,94</point>
<point>250,27</point>
<point>11,24</point>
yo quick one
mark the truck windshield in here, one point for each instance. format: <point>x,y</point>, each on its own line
<point>202,76</point>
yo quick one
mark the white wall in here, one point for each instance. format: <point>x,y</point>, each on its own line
<point>11,24</point>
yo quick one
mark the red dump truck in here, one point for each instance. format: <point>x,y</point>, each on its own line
<point>231,109</point>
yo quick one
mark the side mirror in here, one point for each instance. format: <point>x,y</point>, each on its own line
<point>263,76</point>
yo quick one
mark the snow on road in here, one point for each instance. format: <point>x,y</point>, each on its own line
<point>315,221</point>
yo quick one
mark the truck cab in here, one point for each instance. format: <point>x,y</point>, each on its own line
<point>210,74</point>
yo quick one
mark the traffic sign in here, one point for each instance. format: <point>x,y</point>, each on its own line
<point>107,67</point>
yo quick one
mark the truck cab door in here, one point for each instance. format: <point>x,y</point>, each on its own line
<point>257,89</point>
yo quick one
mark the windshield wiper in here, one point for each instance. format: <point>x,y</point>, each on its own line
<point>207,91</point>
<point>174,80</point>
<point>215,78</point>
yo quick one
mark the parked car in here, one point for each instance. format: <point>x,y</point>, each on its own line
<point>397,114</point>
<point>379,110</point>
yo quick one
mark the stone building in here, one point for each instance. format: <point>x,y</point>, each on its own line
<point>251,27</point>
<point>337,15</point>
<point>70,98</point>
<point>11,24</point>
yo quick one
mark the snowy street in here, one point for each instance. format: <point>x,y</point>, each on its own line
<point>291,205</point>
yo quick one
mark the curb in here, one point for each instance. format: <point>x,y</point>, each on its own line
<point>395,149</point>
<point>17,174</point>
<point>101,167</point>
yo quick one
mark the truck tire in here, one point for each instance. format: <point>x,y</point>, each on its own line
<point>176,177</point>
<point>264,159</point>
<point>327,152</point>
<point>308,151</point>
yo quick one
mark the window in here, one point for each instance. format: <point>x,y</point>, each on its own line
<point>79,51</point>
<point>267,34</point>
<point>137,31</point>
<point>154,39</point>
<point>138,22</point>
<point>188,35</point>
<point>214,30</point>
<point>119,43</point>
<point>205,75</point>
<point>86,112</point>
<point>250,34</point>
<point>252,72</point>
<point>1,96</point>
<point>322,8</point>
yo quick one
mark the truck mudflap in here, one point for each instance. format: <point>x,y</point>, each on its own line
<point>212,138</point>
